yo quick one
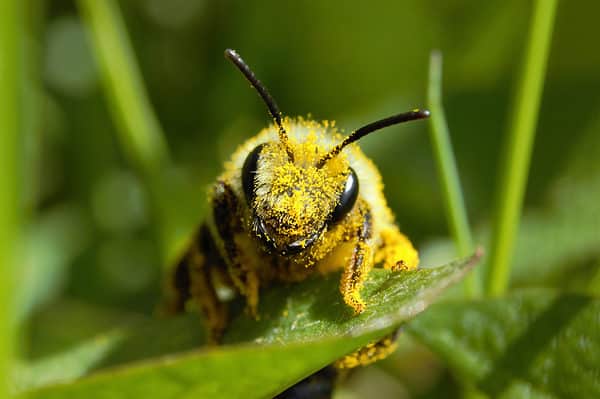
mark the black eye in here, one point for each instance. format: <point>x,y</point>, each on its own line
<point>249,172</point>
<point>347,198</point>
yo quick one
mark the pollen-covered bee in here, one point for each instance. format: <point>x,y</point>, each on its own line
<point>295,200</point>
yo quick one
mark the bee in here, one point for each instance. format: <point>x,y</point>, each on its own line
<point>297,199</point>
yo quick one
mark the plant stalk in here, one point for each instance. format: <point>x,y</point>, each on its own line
<point>454,203</point>
<point>139,130</point>
<point>11,173</point>
<point>517,150</point>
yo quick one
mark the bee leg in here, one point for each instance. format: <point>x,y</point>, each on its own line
<point>191,279</point>
<point>177,290</point>
<point>229,227</point>
<point>371,353</point>
<point>202,259</point>
<point>396,252</point>
<point>359,266</point>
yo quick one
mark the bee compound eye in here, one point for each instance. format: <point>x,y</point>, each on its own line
<point>249,172</point>
<point>347,198</point>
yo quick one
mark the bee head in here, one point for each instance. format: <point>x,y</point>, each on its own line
<point>293,202</point>
<point>296,189</point>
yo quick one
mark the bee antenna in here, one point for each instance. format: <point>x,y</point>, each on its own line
<point>371,127</point>
<point>234,57</point>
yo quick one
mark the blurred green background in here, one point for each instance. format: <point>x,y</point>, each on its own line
<point>91,235</point>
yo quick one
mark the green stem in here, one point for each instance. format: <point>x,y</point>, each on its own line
<point>11,22</point>
<point>454,204</point>
<point>517,150</point>
<point>139,131</point>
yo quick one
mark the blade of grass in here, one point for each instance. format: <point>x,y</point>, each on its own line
<point>139,131</point>
<point>11,22</point>
<point>454,203</point>
<point>516,153</point>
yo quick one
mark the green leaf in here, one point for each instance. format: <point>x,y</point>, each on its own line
<point>302,326</point>
<point>74,363</point>
<point>536,342</point>
<point>231,372</point>
<point>314,309</point>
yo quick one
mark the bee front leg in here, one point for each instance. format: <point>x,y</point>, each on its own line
<point>228,223</point>
<point>397,253</point>
<point>359,266</point>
